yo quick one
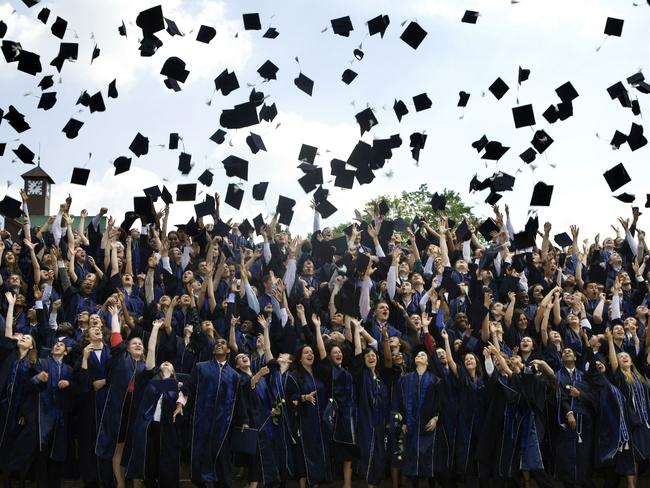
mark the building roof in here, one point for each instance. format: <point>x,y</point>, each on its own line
<point>37,172</point>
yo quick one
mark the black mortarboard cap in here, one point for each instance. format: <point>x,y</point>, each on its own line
<point>480,144</point>
<point>361,263</point>
<point>625,198</point>
<point>29,63</point>
<point>172,28</point>
<point>43,15</point>
<point>418,140</point>
<point>112,89</point>
<point>3,28</point>
<point>46,82</point>
<point>80,176</point>
<point>259,190</point>
<point>307,153</point>
<point>235,166</point>
<point>463,98</point>
<point>342,26</point>
<point>366,120</point>
<point>218,136</point>
<point>413,35</point>
<point>252,21</point>
<point>635,138</point>
<point>400,109</point>
<point>3,145</point>
<point>122,165</point>
<point>360,155</point>
<point>348,76</point>
<point>563,239</point>
<point>285,209</point>
<point>494,151</point>
<point>523,116</point>
<point>204,208</point>
<point>344,179</point>
<point>184,163</point>
<point>551,114</point>
<point>24,154</point>
<point>528,156</point>
<point>422,102</point>
<point>206,178</point>
<point>470,17</point>
<point>206,34</point>
<point>174,68</point>
<point>67,51</point>
<point>616,177</point>
<point>498,88</point>
<point>96,103</point>
<point>10,207</point>
<point>311,180</point>
<point>541,141</point>
<point>186,192</point>
<point>11,50</point>
<point>140,145</point>
<point>258,223</point>
<point>493,198</point>
<point>325,208</point>
<point>143,206</point>
<point>618,139</point>
<point>16,120</point>
<point>268,70</point>
<point>257,97</point>
<point>542,194</point>
<point>502,181</point>
<point>304,83</point>
<point>647,203</point>
<point>153,192</point>
<point>566,92</point>
<point>438,201</point>
<point>96,53</point>
<point>614,27</point>
<point>71,129</point>
<point>173,140</point>
<point>364,175</point>
<point>271,33</point>
<point>564,110</point>
<point>523,75</point>
<point>226,82</point>
<point>242,115</point>
<point>47,101</point>
<point>452,288</point>
<point>246,228</point>
<point>268,112</point>
<point>151,20</point>
<point>122,29</point>
<point>84,99</point>
<point>166,196</point>
<point>378,25</point>
<point>59,27</point>
<point>255,143</point>
<point>462,232</point>
<point>487,227</point>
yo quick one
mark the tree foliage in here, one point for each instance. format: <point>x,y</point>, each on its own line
<point>410,204</point>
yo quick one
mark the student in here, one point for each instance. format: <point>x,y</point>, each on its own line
<point>153,447</point>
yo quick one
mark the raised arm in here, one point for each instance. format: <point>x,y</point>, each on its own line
<point>507,318</point>
<point>128,253</point>
<point>450,357</point>
<point>613,360</point>
<point>9,319</point>
<point>315,319</point>
<point>357,336</point>
<point>232,337</point>
<point>35,264</point>
<point>151,346</point>
<point>264,324</point>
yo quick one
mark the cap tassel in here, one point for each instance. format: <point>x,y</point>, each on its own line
<point>602,44</point>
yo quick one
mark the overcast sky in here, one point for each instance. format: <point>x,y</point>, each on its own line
<point>556,39</point>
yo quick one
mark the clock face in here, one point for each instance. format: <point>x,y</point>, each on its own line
<point>34,187</point>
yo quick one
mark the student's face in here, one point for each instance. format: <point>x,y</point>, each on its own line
<point>94,320</point>
<point>382,311</point>
<point>417,279</point>
<point>327,234</point>
<point>307,357</point>
<point>421,359</point>
<point>370,359</point>
<point>242,361</point>
<point>461,266</point>
<point>188,277</point>
<point>336,356</point>
<point>591,291</point>
<point>526,344</point>
<point>127,280</point>
<point>186,300</point>
<point>80,254</point>
<point>221,347</point>
<point>568,355</point>
<point>398,359</point>
<point>308,268</point>
<point>95,333</point>
<point>58,348</point>
<point>624,360</point>
<point>470,362</point>
<point>538,293</point>
<point>406,288</point>
<point>404,268</point>
<point>442,356</point>
<point>10,257</point>
<point>618,331</point>
<point>522,322</point>
<point>135,348</point>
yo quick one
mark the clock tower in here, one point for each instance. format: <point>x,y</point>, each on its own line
<point>38,186</point>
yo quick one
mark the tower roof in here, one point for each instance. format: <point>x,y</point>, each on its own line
<point>37,172</point>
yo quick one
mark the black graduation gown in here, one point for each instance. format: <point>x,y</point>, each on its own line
<point>284,434</point>
<point>123,370</point>
<point>149,390</point>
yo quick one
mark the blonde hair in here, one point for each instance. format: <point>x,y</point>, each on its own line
<point>632,374</point>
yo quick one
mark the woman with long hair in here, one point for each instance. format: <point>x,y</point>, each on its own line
<point>17,360</point>
<point>126,363</point>
<point>306,392</point>
<point>153,444</point>
<point>471,404</point>
<point>372,384</point>
<point>636,391</point>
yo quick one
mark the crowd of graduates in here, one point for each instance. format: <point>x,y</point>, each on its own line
<point>448,352</point>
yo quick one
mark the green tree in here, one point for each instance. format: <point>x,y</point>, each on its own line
<point>418,203</point>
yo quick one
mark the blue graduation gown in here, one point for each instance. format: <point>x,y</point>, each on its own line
<point>53,409</point>
<point>418,404</point>
<point>637,395</point>
<point>214,391</point>
<point>122,371</point>
<point>151,388</point>
<point>373,407</point>
<point>312,443</point>
<point>471,405</point>
<point>284,438</point>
